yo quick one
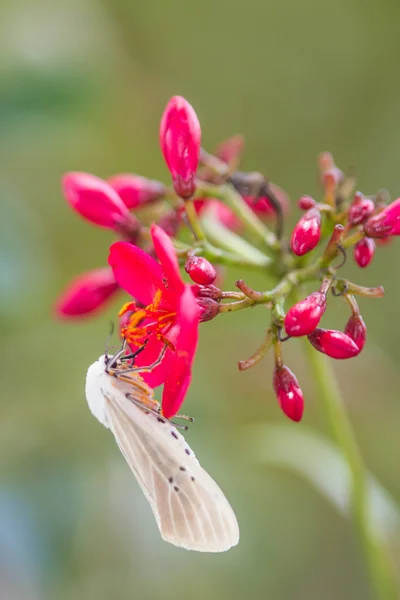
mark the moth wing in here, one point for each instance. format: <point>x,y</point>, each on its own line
<point>190,509</point>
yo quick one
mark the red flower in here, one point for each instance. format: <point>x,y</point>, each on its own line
<point>306,233</point>
<point>180,137</point>
<point>304,316</point>
<point>335,344</point>
<point>135,190</point>
<point>170,317</point>
<point>98,202</point>
<point>288,392</point>
<point>87,293</point>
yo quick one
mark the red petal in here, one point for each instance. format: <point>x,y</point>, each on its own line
<point>167,257</point>
<point>137,272</point>
<point>180,363</point>
<point>149,355</point>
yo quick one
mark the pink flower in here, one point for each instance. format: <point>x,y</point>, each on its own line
<point>304,316</point>
<point>95,200</point>
<point>135,190</point>
<point>306,233</point>
<point>335,344</point>
<point>364,252</point>
<point>289,394</point>
<point>180,138</point>
<point>170,317</point>
<point>87,293</point>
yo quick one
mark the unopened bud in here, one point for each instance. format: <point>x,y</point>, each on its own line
<point>306,233</point>
<point>288,392</point>
<point>135,190</point>
<point>98,202</point>
<point>180,138</point>
<point>360,209</point>
<point>306,202</point>
<point>200,270</point>
<point>364,252</point>
<point>304,316</point>
<point>356,330</point>
<point>230,151</point>
<point>385,223</point>
<point>335,344</point>
<point>87,293</point>
<point>209,308</point>
<point>207,291</point>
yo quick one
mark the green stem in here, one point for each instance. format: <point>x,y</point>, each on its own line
<point>247,216</point>
<point>376,553</point>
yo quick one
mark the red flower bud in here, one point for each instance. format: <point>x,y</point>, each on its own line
<point>136,190</point>
<point>360,209</point>
<point>304,316</point>
<point>306,202</point>
<point>356,330</point>
<point>364,252</point>
<point>180,137</point>
<point>207,291</point>
<point>87,293</point>
<point>385,223</point>
<point>335,344</point>
<point>170,222</point>
<point>200,270</point>
<point>230,151</point>
<point>209,309</point>
<point>306,233</point>
<point>98,202</point>
<point>288,392</point>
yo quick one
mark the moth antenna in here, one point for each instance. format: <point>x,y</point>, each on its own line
<point>108,339</point>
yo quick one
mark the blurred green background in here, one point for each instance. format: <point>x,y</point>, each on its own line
<point>83,85</point>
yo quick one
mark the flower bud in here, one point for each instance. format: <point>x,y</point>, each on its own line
<point>356,330</point>
<point>264,207</point>
<point>306,233</point>
<point>304,316</point>
<point>386,222</point>
<point>87,293</point>
<point>360,209</point>
<point>335,344</point>
<point>288,392</point>
<point>364,252</point>
<point>209,309</point>
<point>207,291</point>
<point>135,190</point>
<point>97,201</point>
<point>230,151</point>
<point>180,137</point>
<point>170,222</point>
<point>200,270</point>
<point>306,202</point>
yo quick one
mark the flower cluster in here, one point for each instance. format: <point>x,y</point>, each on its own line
<point>233,218</point>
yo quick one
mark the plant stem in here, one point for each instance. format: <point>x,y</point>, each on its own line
<point>376,553</point>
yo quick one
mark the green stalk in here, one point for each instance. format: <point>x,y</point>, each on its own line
<point>376,553</point>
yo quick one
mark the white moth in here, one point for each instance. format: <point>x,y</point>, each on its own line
<point>190,509</point>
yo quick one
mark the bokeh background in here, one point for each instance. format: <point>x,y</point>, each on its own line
<point>82,87</point>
